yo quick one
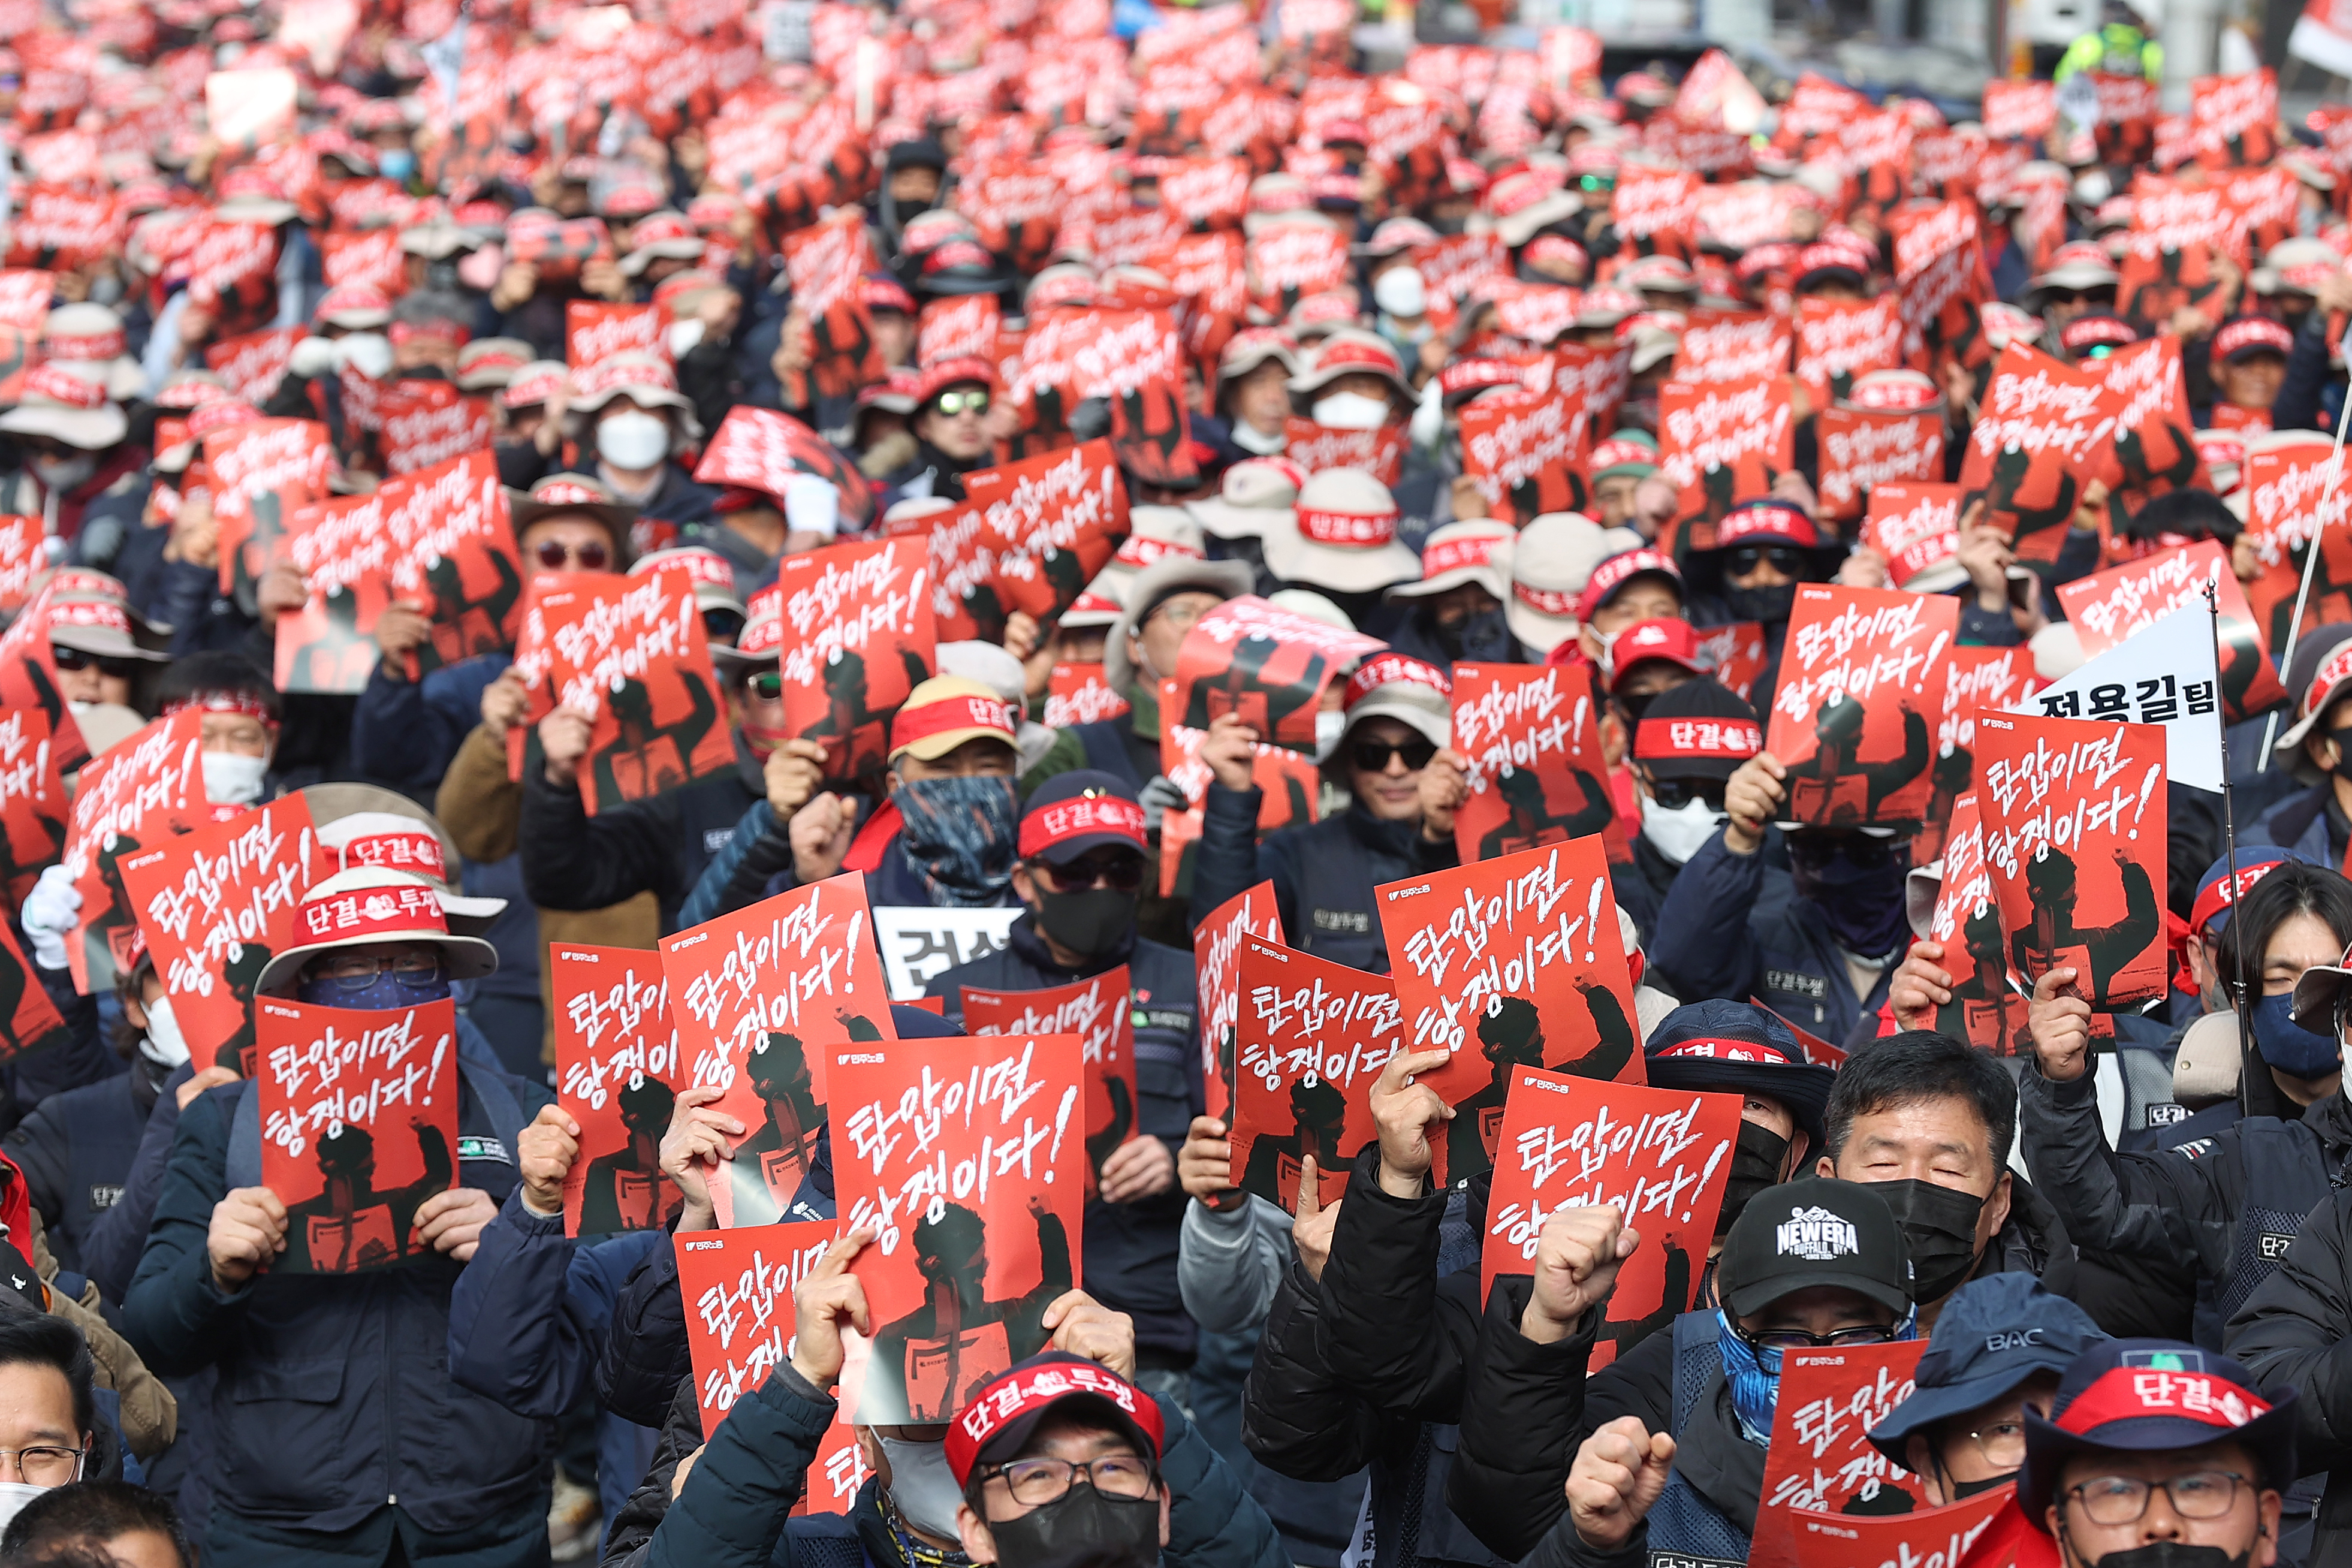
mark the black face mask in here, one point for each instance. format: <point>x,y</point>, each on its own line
<point>1092,925</point>
<point>1755,1162</point>
<point>518,464</point>
<point>1939,1228</point>
<point>1081,1529</point>
<point>1771,605</point>
<point>2174,1554</point>
<point>1969,1488</point>
<point>2343,739</point>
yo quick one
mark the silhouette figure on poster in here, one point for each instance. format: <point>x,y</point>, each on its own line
<point>240,974</point>
<point>2052,938</point>
<point>1615,1036</point>
<point>846,715</point>
<point>1531,821</point>
<point>928,1364</point>
<point>625,1190</point>
<point>2010,471</point>
<point>479,623</point>
<point>1318,1113</point>
<point>1985,1009</point>
<point>1833,787</point>
<point>1242,688</point>
<point>338,652</point>
<point>637,766</point>
<point>1099,1146</point>
<point>351,1225</point>
<point>1673,1301</point>
<point>770,1165</point>
<point>1511,1035</point>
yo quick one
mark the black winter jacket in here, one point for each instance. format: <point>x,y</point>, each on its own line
<point>2292,1330</point>
<point>574,862</point>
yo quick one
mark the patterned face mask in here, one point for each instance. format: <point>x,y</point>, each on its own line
<point>961,836</point>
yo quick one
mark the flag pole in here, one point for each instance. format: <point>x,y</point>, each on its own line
<point>2310,561</point>
<point>2230,986</point>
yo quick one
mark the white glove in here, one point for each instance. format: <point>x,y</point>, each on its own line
<point>312,358</point>
<point>1162,795</point>
<point>51,910</point>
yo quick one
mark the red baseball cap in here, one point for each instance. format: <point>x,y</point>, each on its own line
<point>1675,642</point>
<point>993,1427</point>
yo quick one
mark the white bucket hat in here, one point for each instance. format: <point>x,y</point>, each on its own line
<point>367,827</point>
<point>370,904</point>
<point>93,334</point>
<point>66,401</point>
<point>1477,550</point>
<point>1343,535</point>
<point>1551,560</point>
<point>1256,495</point>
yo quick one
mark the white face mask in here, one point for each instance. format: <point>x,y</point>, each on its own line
<point>922,1488</point>
<point>78,707</point>
<point>633,440</point>
<point>1250,438</point>
<point>1329,728</point>
<point>233,780</point>
<point>1678,834</point>
<point>164,1044</point>
<point>370,354</point>
<point>1351,411</point>
<point>1608,641</point>
<point>683,336</point>
<point>1400,291</point>
<point>64,476</point>
<point>14,1496</point>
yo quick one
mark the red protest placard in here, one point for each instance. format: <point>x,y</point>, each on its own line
<point>1861,678</point>
<point>630,653</point>
<point>1450,265</point>
<point>2108,607</point>
<point>1599,375</point>
<point>34,807</point>
<point>1733,347</point>
<point>373,259</point>
<point>617,1074</point>
<point>358,1126</point>
<point>858,638</point>
<point>1526,451</point>
<point>2292,500</point>
<point>760,449</point>
<point>2073,812</point>
<point>1530,738</point>
<point>136,793</point>
<point>738,1289</point>
<point>24,294</point>
<point>1268,665</point>
<point>824,262</point>
<point>1509,963</point>
<point>965,1158</point>
<point>59,228</point>
<point>1063,512</point>
<point>1656,208</point>
<point>1663,1156</point>
<point>2233,119</point>
<point>29,1021</point>
<point>1287,782</point>
<point>1216,948</point>
<point>1820,1457</point>
<point>2020,110</point>
<point>1078,694</point>
<point>2042,429</point>
<point>1312,1036</point>
<point>1915,528</point>
<point>2148,396</point>
<point>1985,1009</point>
<point>1315,447</point>
<point>1096,1010</point>
<point>1838,339</point>
<point>594,331</point>
<point>1976,678</point>
<point>1864,448</point>
<point>426,423</point>
<point>1720,446</point>
<point>253,365</point>
<point>1289,261</point>
<point>759,996</point>
<point>22,557</point>
<point>263,471</point>
<point>1925,1538</point>
<point>1735,655</point>
<point>961,328</point>
<point>215,905</point>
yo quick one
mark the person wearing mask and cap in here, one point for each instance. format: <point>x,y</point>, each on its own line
<point>2246,359</point>
<point>79,465</point>
<point>951,435</point>
<point>628,410</point>
<point>2316,752</point>
<point>1083,860</point>
<point>1624,590</point>
<point>1762,550</point>
<point>2082,278</point>
<point>1355,381</point>
<point>100,649</point>
<point>1402,787</point>
<point>2157,1452</point>
<point>1656,1470</point>
<point>1455,610</point>
<point>914,173</point>
<point>468,1475</point>
<point>1688,742</point>
<point>1998,1350</point>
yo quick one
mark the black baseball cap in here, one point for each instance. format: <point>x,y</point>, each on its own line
<point>1819,1231</point>
<point>1699,730</point>
<point>1736,1048</point>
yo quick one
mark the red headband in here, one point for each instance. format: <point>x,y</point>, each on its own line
<point>2227,891</point>
<point>1719,1050</point>
<point>1785,521</point>
<point>1470,550</point>
<point>1048,825</point>
<point>2139,1393</point>
<point>93,346</point>
<point>1026,1391</point>
<point>1347,530</point>
<point>1733,738</point>
<point>1139,551</point>
<point>957,713</point>
<point>1546,602</point>
<point>367,913</point>
<point>1387,668</point>
<point>418,852</point>
<point>222,702</point>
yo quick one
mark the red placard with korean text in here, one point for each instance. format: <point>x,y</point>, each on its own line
<point>2073,812</point>
<point>1985,1010</point>
<point>1216,949</point>
<point>738,1289</point>
<point>1509,963</point>
<point>966,1159</point>
<point>858,638</point>
<point>1313,1035</point>
<point>617,1075</point>
<point>1838,339</point>
<point>1733,348</point>
<point>1098,1011</point>
<point>1820,1457</point>
<point>1735,655</point>
<point>2148,396</point>
<point>426,423</point>
<point>759,996</point>
<point>1862,683</point>
<point>23,556</point>
<point>760,449</point>
<point>1974,678</point>
<point>1914,527</point>
<point>252,365</point>
<point>1268,665</point>
<point>1049,523</point>
<point>1925,1538</point>
<point>263,470</point>
<point>1719,446</point>
<point>1078,694</point>
<point>29,1021</point>
<point>358,1126</point>
<point>1530,736</point>
<point>34,807</point>
<point>1315,447</point>
<point>216,904</point>
<point>1864,448</point>
<point>594,331</point>
<point>2043,429</point>
<point>1662,1156</point>
<point>2108,607</point>
<point>132,796</point>
<point>1288,262</point>
<point>2291,500</point>
<point>1526,451</point>
<point>1287,781</point>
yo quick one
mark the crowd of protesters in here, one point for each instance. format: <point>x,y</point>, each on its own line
<point>2126,1240</point>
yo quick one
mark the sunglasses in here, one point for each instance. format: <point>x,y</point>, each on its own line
<point>951,403</point>
<point>553,554</point>
<point>74,658</point>
<point>2080,297</point>
<point>1739,561</point>
<point>721,624</point>
<point>1372,756</point>
<point>1673,794</point>
<point>767,686</point>
<point>1861,851</point>
<point>1120,872</point>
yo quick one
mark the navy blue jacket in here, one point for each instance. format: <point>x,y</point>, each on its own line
<point>530,1314</point>
<point>2300,823</point>
<point>405,733</point>
<point>571,860</point>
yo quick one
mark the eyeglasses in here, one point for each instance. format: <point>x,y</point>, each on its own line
<point>950,403</point>
<point>1372,756</point>
<point>553,554</point>
<point>767,686</point>
<point>1800,1340</point>
<point>1743,559</point>
<point>73,658</point>
<point>2079,297</point>
<point>721,624</point>
<point>1039,1481</point>
<point>1182,613</point>
<point>358,971</point>
<point>1673,794</point>
<point>45,1466</point>
<point>2002,1444</point>
<point>2123,1499</point>
<point>1861,851</point>
<point>1121,872</point>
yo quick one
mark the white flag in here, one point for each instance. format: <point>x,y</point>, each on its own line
<point>2163,674</point>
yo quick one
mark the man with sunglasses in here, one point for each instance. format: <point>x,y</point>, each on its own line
<point>952,434</point>
<point>2082,278</point>
<point>1658,1474</point>
<point>1082,866</point>
<point>1689,738</point>
<point>1762,550</point>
